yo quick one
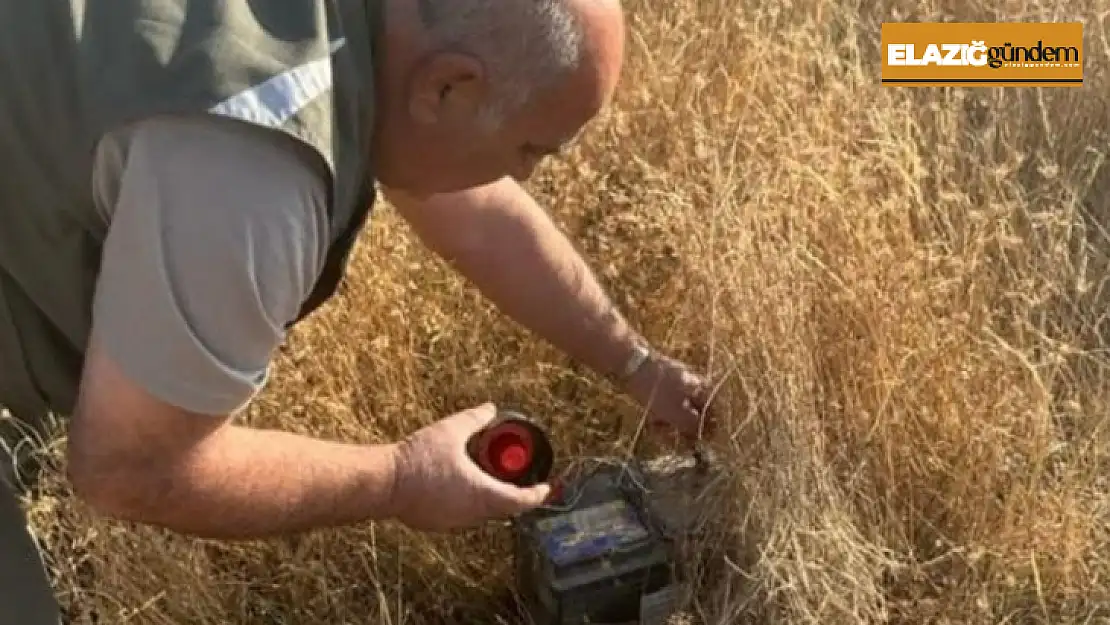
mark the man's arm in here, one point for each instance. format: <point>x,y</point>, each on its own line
<point>508,247</point>
<point>135,457</point>
<point>215,237</point>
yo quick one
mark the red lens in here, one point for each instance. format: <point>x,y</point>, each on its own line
<point>514,458</point>
<point>509,452</point>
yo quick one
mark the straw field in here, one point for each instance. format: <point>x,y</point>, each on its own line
<point>901,292</point>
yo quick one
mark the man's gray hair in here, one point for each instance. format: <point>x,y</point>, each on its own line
<point>525,44</point>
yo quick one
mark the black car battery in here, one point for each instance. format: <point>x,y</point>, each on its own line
<point>598,556</point>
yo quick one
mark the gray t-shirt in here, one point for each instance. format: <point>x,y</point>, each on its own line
<point>217,233</point>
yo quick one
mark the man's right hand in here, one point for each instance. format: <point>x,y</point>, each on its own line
<point>439,488</point>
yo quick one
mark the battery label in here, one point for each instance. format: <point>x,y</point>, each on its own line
<point>591,532</point>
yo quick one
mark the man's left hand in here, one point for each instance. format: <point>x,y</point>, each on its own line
<point>674,396</point>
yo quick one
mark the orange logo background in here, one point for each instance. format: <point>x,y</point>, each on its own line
<point>998,54</point>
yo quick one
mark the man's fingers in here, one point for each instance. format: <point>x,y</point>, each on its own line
<point>697,389</point>
<point>513,501</point>
<point>531,497</point>
<point>478,417</point>
<point>700,414</point>
<point>699,392</point>
<point>502,498</point>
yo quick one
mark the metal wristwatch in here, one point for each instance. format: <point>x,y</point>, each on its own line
<point>640,355</point>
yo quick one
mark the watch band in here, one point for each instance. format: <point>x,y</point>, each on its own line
<point>640,355</point>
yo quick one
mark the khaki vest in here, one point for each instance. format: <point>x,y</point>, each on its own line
<point>72,69</point>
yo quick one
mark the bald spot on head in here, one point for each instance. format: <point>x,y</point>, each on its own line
<point>602,26</point>
<point>556,114</point>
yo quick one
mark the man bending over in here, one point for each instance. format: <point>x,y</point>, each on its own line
<point>182,182</point>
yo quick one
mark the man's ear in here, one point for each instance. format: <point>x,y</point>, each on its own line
<point>447,87</point>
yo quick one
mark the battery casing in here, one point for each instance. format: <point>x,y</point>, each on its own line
<point>599,562</point>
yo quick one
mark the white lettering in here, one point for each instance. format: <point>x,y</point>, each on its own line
<point>953,50</point>
<point>910,59</point>
<point>896,54</point>
<point>932,55</point>
<point>977,53</point>
<point>948,54</point>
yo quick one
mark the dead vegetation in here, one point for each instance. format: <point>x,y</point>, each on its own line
<point>902,292</point>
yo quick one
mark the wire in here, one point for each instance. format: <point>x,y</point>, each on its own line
<point>630,470</point>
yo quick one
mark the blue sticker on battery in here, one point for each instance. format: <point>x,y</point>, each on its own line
<point>590,533</point>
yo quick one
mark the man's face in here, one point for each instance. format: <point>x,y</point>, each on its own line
<point>431,137</point>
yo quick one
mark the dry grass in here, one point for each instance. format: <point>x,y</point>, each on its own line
<point>900,289</point>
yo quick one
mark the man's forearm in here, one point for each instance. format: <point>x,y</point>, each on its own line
<point>243,483</point>
<point>516,256</point>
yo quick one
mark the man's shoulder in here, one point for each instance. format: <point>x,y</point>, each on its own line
<point>217,234</point>
<point>252,151</point>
